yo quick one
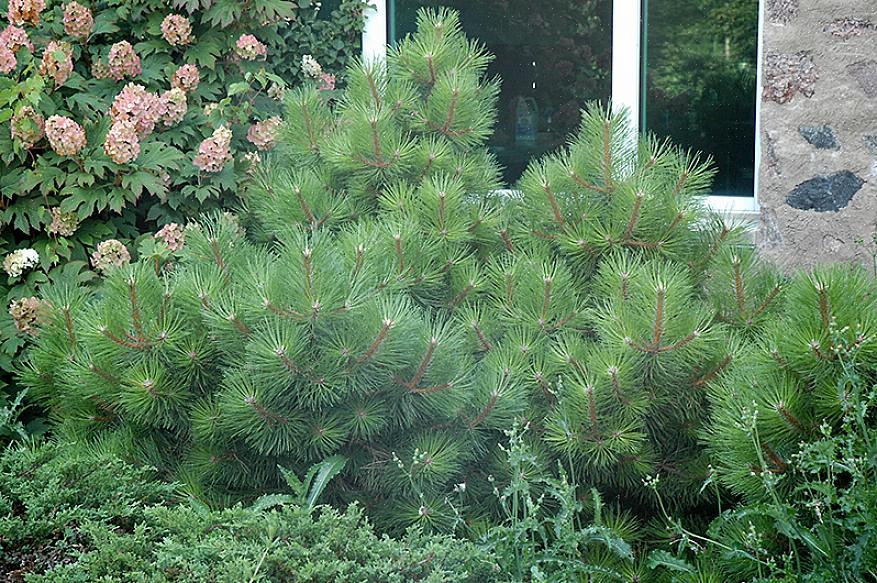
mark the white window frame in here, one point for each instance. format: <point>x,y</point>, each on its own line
<point>626,79</point>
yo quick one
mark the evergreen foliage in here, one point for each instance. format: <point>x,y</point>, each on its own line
<point>392,306</point>
<point>68,515</point>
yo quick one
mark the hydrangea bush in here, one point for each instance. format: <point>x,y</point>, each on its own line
<point>119,117</point>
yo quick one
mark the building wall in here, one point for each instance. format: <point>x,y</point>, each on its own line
<point>818,182</point>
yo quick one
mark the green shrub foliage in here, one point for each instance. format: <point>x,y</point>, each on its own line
<point>392,306</point>
<point>118,118</point>
<point>74,516</point>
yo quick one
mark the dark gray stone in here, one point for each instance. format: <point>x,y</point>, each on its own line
<point>788,74</point>
<point>781,11</point>
<point>847,28</point>
<point>825,193</point>
<point>865,73</point>
<point>822,137</point>
<point>871,144</point>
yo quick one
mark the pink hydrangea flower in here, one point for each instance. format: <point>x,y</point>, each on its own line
<point>186,78</point>
<point>175,106</point>
<point>214,152</point>
<point>57,63</point>
<point>78,21</point>
<point>262,134</point>
<point>28,313</point>
<point>28,126</point>
<point>25,11</point>
<point>138,106</point>
<point>327,82</point>
<point>110,253</point>
<point>121,143</point>
<point>249,48</point>
<point>66,137</point>
<point>173,236</point>
<point>123,61</point>
<point>14,37</point>
<point>176,30</point>
<point>63,224</point>
<point>8,61</point>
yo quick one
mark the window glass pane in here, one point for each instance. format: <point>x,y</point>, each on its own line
<point>699,68</point>
<point>553,56</point>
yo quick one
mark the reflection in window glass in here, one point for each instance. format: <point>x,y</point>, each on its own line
<point>553,56</point>
<point>699,67</point>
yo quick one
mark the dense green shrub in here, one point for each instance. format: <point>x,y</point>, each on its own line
<point>794,433</point>
<point>71,516</point>
<point>113,119</point>
<point>49,496</point>
<point>405,314</point>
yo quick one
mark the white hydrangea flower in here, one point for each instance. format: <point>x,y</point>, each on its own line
<point>19,261</point>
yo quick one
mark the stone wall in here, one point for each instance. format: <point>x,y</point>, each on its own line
<point>818,190</point>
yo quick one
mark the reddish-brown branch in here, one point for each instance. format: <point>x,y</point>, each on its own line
<point>658,332</point>
<point>132,344</point>
<point>585,184</point>
<point>634,216</point>
<point>491,403</point>
<point>739,292</point>
<point>824,310</point>
<point>681,344</point>
<point>424,365</point>
<point>377,342</point>
<point>271,419</point>
<point>592,409</point>
<point>616,386</point>
<point>458,299</point>
<point>555,207</point>
<point>287,362</point>
<point>708,377</point>
<point>507,241</point>
<point>452,112</point>
<point>767,301</point>
<point>304,205</point>
<point>482,338</point>
<point>239,326</point>
<point>788,416</point>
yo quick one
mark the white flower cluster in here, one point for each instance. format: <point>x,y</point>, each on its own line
<point>20,261</point>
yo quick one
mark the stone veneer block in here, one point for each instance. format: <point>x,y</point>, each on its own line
<point>821,137</point>
<point>781,11</point>
<point>847,28</point>
<point>865,73</point>
<point>788,74</point>
<point>826,193</point>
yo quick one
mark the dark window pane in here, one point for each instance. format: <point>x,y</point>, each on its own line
<point>699,64</point>
<point>552,56</point>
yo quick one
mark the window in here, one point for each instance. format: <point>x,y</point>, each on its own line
<point>686,68</point>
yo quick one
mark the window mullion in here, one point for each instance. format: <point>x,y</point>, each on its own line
<point>374,34</point>
<point>626,55</point>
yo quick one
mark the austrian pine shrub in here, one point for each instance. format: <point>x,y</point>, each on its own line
<point>391,305</point>
<point>118,118</point>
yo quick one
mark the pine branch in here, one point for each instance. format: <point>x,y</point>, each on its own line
<point>552,200</point>
<point>767,301</point>
<point>634,216</point>
<point>658,331</point>
<point>378,341</point>
<point>707,378</point>
<point>424,364</point>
